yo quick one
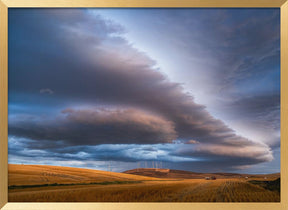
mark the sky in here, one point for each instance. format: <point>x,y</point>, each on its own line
<point>116,89</point>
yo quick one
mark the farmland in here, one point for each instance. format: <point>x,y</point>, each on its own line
<point>52,183</point>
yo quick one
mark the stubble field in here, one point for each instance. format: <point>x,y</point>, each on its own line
<point>63,184</point>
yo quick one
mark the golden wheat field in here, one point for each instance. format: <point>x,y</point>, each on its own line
<point>50,184</point>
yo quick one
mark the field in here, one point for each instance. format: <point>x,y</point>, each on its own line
<point>52,183</point>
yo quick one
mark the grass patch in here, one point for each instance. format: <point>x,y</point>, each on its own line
<point>269,185</point>
<point>71,184</point>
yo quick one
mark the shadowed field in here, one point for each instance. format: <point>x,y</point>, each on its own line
<point>51,183</point>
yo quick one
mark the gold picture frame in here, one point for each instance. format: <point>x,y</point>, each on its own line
<point>5,4</point>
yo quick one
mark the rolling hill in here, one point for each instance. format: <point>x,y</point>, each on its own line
<point>180,174</point>
<point>45,174</point>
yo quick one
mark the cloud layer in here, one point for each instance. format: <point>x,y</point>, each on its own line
<point>92,127</point>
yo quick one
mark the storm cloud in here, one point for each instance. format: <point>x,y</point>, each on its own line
<point>91,127</point>
<point>114,82</point>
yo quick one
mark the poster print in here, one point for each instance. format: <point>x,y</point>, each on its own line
<point>144,105</point>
